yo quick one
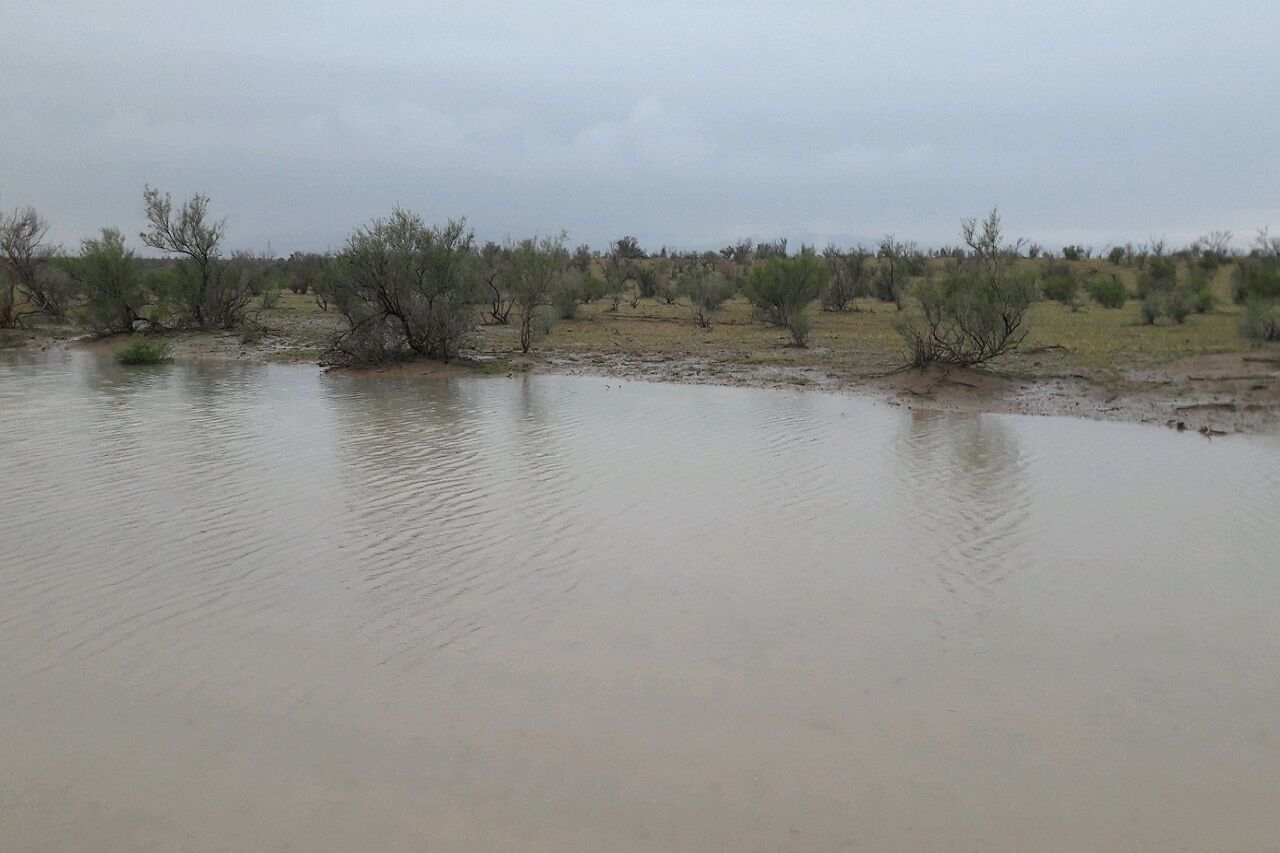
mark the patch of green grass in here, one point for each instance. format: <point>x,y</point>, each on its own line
<point>144,350</point>
<point>494,367</point>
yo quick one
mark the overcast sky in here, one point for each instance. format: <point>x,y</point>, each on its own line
<point>684,123</point>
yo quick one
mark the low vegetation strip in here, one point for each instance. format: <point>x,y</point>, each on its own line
<point>401,289</point>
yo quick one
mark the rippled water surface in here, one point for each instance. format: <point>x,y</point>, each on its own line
<point>247,607</point>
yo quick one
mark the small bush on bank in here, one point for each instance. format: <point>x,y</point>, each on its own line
<point>978,311</point>
<point>144,350</point>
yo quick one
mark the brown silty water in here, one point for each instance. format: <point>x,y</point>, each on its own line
<point>258,607</point>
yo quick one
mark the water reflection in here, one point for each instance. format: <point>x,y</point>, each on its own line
<point>969,480</point>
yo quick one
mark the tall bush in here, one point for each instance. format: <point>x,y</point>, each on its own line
<point>404,289</point>
<point>977,312</point>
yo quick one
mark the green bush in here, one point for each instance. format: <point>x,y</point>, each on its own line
<point>1203,301</point>
<point>592,287</point>
<point>1257,279</point>
<point>144,350</point>
<point>970,316</point>
<point>1178,305</point>
<point>1260,321</point>
<point>646,282</point>
<point>976,312</point>
<point>1152,308</point>
<point>707,291</point>
<point>113,288</point>
<point>403,289</point>
<point>1108,292</point>
<point>1062,288</point>
<point>1197,290</point>
<point>565,296</point>
<point>780,290</point>
<point>1160,276</point>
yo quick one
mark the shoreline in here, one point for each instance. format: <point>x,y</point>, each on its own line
<point>1210,394</point>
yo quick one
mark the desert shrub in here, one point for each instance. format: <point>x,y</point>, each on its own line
<point>25,256</point>
<point>543,323</point>
<point>1203,301</point>
<point>799,326</point>
<point>766,249</point>
<point>897,262</point>
<point>270,297</point>
<point>780,290</point>
<point>582,258</point>
<point>58,288</point>
<point>403,289</point>
<point>1072,253</point>
<point>1256,278</point>
<point>706,291</point>
<point>665,286</point>
<point>850,277</point>
<point>1178,304</point>
<point>493,265</point>
<point>1260,321</point>
<point>592,287</point>
<point>257,275</point>
<point>646,278</point>
<point>565,295</point>
<point>978,311</point>
<point>108,275</point>
<point>302,270</point>
<point>1108,292</point>
<point>1152,308</point>
<point>144,350</point>
<point>1063,288</point>
<point>1116,255</point>
<point>200,292</point>
<point>617,272</point>
<point>537,272</point>
<point>628,247</point>
<point>1159,276</point>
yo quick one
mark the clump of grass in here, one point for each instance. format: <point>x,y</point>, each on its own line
<point>252,333</point>
<point>493,367</point>
<point>144,350</point>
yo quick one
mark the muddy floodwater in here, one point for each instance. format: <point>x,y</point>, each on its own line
<point>248,607</point>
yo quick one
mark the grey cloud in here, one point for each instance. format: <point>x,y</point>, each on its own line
<point>684,123</point>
